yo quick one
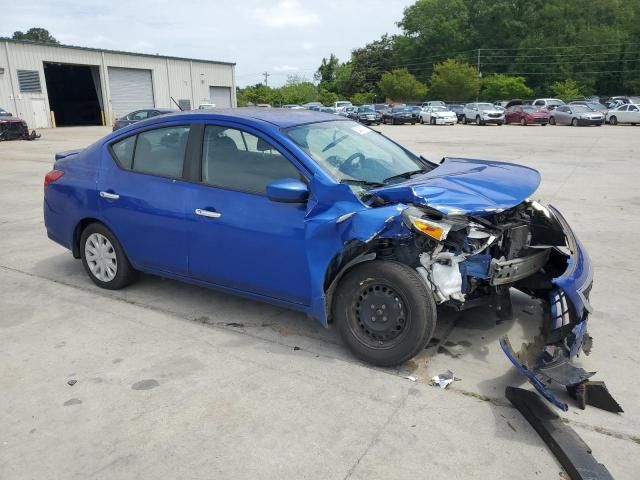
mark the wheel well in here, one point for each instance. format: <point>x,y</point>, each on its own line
<point>77,233</point>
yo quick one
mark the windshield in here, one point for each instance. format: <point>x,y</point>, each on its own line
<point>354,154</point>
<point>529,108</point>
<point>553,101</point>
<point>366,110</point>
<point>581,109</point>
<point>486,106</point>
<point>343,104</point>
<point>438,109</point>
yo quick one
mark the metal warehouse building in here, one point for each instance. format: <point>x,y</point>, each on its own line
<point>68,85</point>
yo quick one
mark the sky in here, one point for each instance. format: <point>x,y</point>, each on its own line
<point>282,37</point>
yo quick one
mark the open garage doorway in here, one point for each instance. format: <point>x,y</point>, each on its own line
<point>75,94</point>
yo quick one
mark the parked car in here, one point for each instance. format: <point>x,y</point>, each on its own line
<point>200,197</point>
<point>308,105</point>
<point>627,113</point>
<point>595,106</point>
<point>613,102</point>
<point>482,114</point>
<point>329,110</point>
<point>548,103</point>
<point>434,103</point>
<point>138,116</point>
<point>349,112</point>
<point>458,109</point>
<point>526,115</point>
<point>293,106</point>
<point>575,115</point>
<point>438,116</point>
<point>368,116</point>
<point>14,128</point>
<point>206,106</point>
<point>341,105</point>
<point>399,116</point>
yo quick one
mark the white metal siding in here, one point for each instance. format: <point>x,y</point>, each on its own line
<point>220,96</point>
<point>171,77</point>
<point>130,89</point>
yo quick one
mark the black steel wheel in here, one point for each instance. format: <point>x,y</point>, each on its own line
<point>384,311</point>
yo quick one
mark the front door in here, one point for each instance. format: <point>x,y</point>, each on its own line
<point>142,197</point>
<point>239,238</point>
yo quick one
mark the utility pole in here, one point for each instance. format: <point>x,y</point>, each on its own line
<point>266,78</point>
<point>478,65</point>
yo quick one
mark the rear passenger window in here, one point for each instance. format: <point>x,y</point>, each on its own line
<point>237,160</point>
<point>123,151</point>
<point>161,152</point>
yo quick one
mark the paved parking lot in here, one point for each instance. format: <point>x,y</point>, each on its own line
<point>177,381</point>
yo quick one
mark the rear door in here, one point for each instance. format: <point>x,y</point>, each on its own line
<point>142,197</point>
<point>633,114</point>
<point>238,238</point>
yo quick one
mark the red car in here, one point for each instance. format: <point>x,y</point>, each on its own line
<point>526,115</point>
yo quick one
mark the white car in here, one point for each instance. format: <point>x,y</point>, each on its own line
<point>434,103</point>
<point>438,116</point>
<point>340,106</point>
<point>629,113</point>
<point>548,103</point>
<point>206,106</point>
<point>483,113</point>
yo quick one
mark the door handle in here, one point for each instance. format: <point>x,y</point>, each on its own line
<point>109,196</point>
<point>207,213</point>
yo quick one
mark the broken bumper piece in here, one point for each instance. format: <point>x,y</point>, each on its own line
<point>547,359</point>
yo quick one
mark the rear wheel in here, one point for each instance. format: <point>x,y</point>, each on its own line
<point>552,121</point>
<point>478,121</point>
<point>613,120</point>
<point>104,259</point>
<point>385,312</point>
<point>574,122</point>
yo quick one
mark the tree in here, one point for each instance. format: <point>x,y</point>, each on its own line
<point>298,90</point>
<point>399,84</point>
<point>35,34</point>
<point>255,94</point>
<point>454,81</point>
<point>326,97</point>
<point>567,90</point>
<point>503,87</point>
<point>361,98</point>
<point>370,62</point>
<point>326,74</point>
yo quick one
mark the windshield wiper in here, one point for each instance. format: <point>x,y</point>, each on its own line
<point>404,175</point>
<point>364,183</point>
<point>334,143</point>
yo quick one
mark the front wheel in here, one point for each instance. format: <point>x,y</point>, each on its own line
<point>421,121</point>
<point>552,121</point>
<point>104,259</point>
<point>384,311</point>
<point>574,122</point>
<point>478,121</point>
<point>523,122</point>
<point>613,120</point>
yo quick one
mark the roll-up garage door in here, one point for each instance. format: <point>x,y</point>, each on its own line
<point>130,89</point>
<point>220,96</point>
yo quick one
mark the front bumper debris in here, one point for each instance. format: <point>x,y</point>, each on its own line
<point>547,359</point>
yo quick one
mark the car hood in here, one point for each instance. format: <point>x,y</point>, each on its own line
<point>466,186</point>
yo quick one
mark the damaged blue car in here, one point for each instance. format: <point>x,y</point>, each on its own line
<point>323,215</point>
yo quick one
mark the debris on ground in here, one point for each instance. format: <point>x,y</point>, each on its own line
<point>443,380</point>
<point>234,324</point>
<point>596,394</point>
<point>296,348</point>
<point>411,377</point>
<point>571,451</point>
<point>72,382</point>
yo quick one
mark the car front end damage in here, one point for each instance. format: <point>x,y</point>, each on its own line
<point>13,128</point>
<point>471,245</point>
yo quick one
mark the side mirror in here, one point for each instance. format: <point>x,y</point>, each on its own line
<point>287,190</point>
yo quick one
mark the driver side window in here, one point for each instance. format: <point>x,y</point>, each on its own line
<point>237,160</point>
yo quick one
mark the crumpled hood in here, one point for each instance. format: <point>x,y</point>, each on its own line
<point>466,186</point>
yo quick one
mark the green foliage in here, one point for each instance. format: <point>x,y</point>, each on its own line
<point>298,90</point>
<point>567,90</point>
<point>370,62</point>
<point>35,34</point>
<point>255,94</point>
<point>361,98</point>
<point>399,84</point>
<point>326,97</point>
<point>504,87</point>
<point>454,81</point>
<point>326,74</point>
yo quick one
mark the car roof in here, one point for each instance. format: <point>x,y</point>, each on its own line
<point>279,117</point>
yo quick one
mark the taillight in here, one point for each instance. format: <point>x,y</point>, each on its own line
<point>52,176</point>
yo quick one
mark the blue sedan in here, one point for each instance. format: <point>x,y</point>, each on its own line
<point>323,215</point>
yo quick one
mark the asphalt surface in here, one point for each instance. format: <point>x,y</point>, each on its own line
<point>177,381</point>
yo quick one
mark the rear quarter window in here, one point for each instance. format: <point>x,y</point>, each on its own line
<point>123,151</point>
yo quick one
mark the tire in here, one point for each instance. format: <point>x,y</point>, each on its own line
<point>98,242</point>
<point>574,122</point>
<point>478,121</point>
<point>552,121</point>
<point>613,120</point>
<point>523,122</point>
<point>383,287</point>
<point>421,120</point>
<point>413,123</point>
<point>433,121</point>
